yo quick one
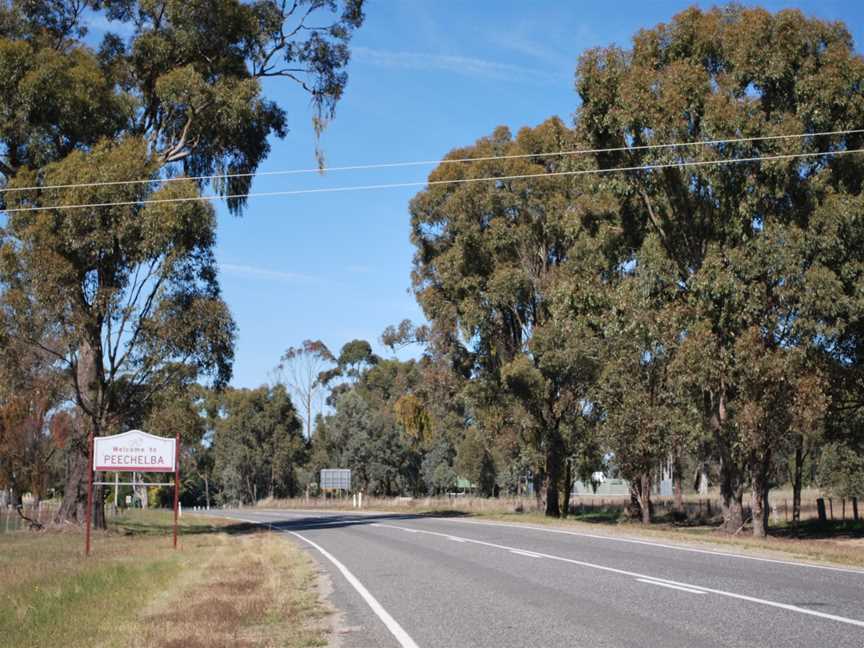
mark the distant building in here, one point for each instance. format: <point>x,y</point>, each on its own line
<point>605,487</point>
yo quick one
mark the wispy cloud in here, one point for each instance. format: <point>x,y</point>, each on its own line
<point>255,272</point>
<point>525,46</point>
<point>464,65</point>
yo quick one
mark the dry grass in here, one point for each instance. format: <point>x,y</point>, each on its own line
<point>230,585</point>
<point>255,590</point>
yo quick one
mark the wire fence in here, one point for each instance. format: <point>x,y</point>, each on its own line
<point>34,514</point>
<point>41,513</point>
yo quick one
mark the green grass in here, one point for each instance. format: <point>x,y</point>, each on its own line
<point>135,589</point>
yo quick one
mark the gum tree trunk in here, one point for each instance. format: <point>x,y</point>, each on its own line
<point>568,485</point>
<point>645,505</point>
<point>760,472</point>
<point>797,478</point>
<point>77,452</point>
<point>554,452</point>
<point>731,497</point>
<point>759,497</point>
<point>74,502</point>
<point>677,486</point>
<point>731,474</point>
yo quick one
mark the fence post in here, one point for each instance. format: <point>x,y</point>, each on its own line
<point>820,507</point>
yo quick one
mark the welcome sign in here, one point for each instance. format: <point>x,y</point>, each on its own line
<point>134,451</point>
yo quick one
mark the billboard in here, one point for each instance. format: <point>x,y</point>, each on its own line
<point>134,451</point>
<point>336,478</point>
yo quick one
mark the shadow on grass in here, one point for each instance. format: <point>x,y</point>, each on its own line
<point>149,528</point>
<point>266,520</point>
<point>816,530</point>
<point>597,517</point>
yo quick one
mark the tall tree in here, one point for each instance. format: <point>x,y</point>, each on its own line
<point>258,444</point>
<point>131,289</point>
<point>644,420</point>
<point>129,294</point>
<point>305,371</point>
<point>488,254</point>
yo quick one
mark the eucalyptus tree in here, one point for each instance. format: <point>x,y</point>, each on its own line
<point>129,291</point>
<point>644,420</point>
<point>258,443</point>
<point>488,257</point>
<point>743,74</point>
<point>31,425</point>
<point>305,370</point>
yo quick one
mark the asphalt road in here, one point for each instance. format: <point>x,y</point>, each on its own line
<point>447,582</point>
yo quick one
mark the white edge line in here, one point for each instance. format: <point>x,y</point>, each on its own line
<point>710,552</point>
<point>404,639</point>
<point>677,587</point>
<point>392,625</point>
<point>637,575</point>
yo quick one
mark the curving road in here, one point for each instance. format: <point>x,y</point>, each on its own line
<point>409,581</point>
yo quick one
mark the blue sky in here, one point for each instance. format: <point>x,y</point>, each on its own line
<point>426,76</point>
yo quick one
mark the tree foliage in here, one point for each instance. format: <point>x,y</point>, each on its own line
<point>124,296</point>
<point>755,273</point>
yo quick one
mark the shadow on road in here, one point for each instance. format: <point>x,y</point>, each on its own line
<point>291,521</point>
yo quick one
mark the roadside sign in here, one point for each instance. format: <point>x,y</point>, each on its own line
<point>134,451</point>
<point>336,479</point>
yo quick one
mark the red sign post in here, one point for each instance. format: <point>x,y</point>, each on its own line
<point>133,451</point>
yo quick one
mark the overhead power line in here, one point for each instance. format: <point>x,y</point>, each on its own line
<point>397,185</point>
<point>392,165</point>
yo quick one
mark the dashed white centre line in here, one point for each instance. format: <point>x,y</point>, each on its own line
<point>677,587</point>
<point>529,554</point>
<point>654,580</point>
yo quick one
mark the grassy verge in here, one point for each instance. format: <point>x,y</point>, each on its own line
<point>229,585</point>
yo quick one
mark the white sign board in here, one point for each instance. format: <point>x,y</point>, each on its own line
<point>336,478</point>
<point>134,451</point>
